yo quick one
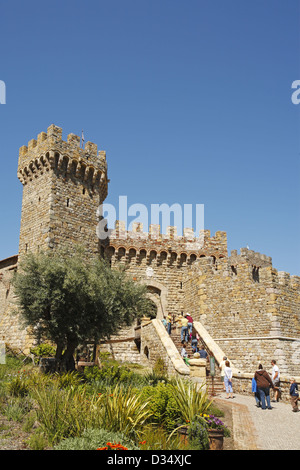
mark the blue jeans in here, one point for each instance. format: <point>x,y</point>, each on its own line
<point>264,394</point>
<point>228,385</point>
<point>184,333</point>
<point>190,327</point>
<point>257,398</point>
<point>169,328</point>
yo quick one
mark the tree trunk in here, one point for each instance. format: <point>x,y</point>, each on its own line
<point>67,361</point>
<point>58,355</point>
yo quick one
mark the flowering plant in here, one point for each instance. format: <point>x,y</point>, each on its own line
<point>113,446</point>
<point>213,422</point>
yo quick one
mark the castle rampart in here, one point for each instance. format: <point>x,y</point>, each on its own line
<point>250,309</point>
<point>157,248</point>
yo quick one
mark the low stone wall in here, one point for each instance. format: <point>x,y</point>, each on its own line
<point>156,344</point>
<point>123,347</point>
<point>242,381</point>
<point>249,352</point>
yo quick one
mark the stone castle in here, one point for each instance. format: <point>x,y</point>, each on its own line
<point>241,305</point>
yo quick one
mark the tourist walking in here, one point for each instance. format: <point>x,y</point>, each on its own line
<point>169,323</point>
<point>264,382</point>
<point>184,329</point>
<point>190,322</point>
<point>221,367</point>
<point>294,394</point>
<point>256,393</point>
<point>228,380</point>
<point>194,340</point>
<point>275,380</point>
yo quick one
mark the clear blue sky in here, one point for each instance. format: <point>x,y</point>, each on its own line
<point>190,99</point>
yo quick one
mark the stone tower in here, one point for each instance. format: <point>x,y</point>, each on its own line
<point>63,185</point>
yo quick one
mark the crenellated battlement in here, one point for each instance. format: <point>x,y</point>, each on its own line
<point>251,257</point>
<point>185,248</point>
<point>282,278</point>
<point>50,152</point>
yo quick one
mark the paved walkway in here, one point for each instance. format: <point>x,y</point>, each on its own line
<point>257,429</point>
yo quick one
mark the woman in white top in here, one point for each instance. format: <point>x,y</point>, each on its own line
<point>228,380</point>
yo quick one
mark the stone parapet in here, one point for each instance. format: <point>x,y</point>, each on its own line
<point>156,344</point>
<point>49,151</point>
<point>170,247</point>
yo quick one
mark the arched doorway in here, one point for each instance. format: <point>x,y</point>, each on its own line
<point>158,294</point>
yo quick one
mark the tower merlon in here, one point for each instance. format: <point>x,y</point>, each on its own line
<point>49,150</point>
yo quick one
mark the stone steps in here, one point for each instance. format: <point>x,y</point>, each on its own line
<point>215,385</point>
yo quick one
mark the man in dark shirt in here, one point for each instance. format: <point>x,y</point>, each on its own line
<point>203,353</point>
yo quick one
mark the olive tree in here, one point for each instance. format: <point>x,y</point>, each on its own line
<point>69,300</point>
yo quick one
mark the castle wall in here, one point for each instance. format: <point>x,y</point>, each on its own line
<point>35,216</point>
<point>253,314</point>
<point>12,332</point>
<point>160,261</point>
<point>122,346</point>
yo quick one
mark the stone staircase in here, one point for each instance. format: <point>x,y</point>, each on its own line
<point>214,384</point>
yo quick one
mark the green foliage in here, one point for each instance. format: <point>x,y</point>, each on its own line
<point>43,350</point>
<point>159,367</point>
<point>69,379</point>
<point>18,387</point>
<point>91,439</point>
<point>163,406</point>
<point>68,299</point>
<point>64,413</point>
<point>158,438</point>
<point>198,436</point>
<point>66,405</point>
<point>16,409</point>
<point>111,373</point>
<point>125,410</point>
<point>37,441</point>
<point>191,402</point>
<point>11,367</point>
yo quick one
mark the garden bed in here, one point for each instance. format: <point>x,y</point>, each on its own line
<point>39,412</point>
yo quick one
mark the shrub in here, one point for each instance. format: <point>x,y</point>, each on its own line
<point>43,350</point>
<point>162,404</point>
<point>17,408</point>
<point>160,368</point>
<point>158,438</point>
<point>18,387</point>
<point>37,441</point>
<point>198,436</point>
<point>64,413</point>
<point>92,439</point>
<point>69,379</point>
<point>112,373</point>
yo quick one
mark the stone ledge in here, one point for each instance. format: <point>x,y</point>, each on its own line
<point>170,348</point>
